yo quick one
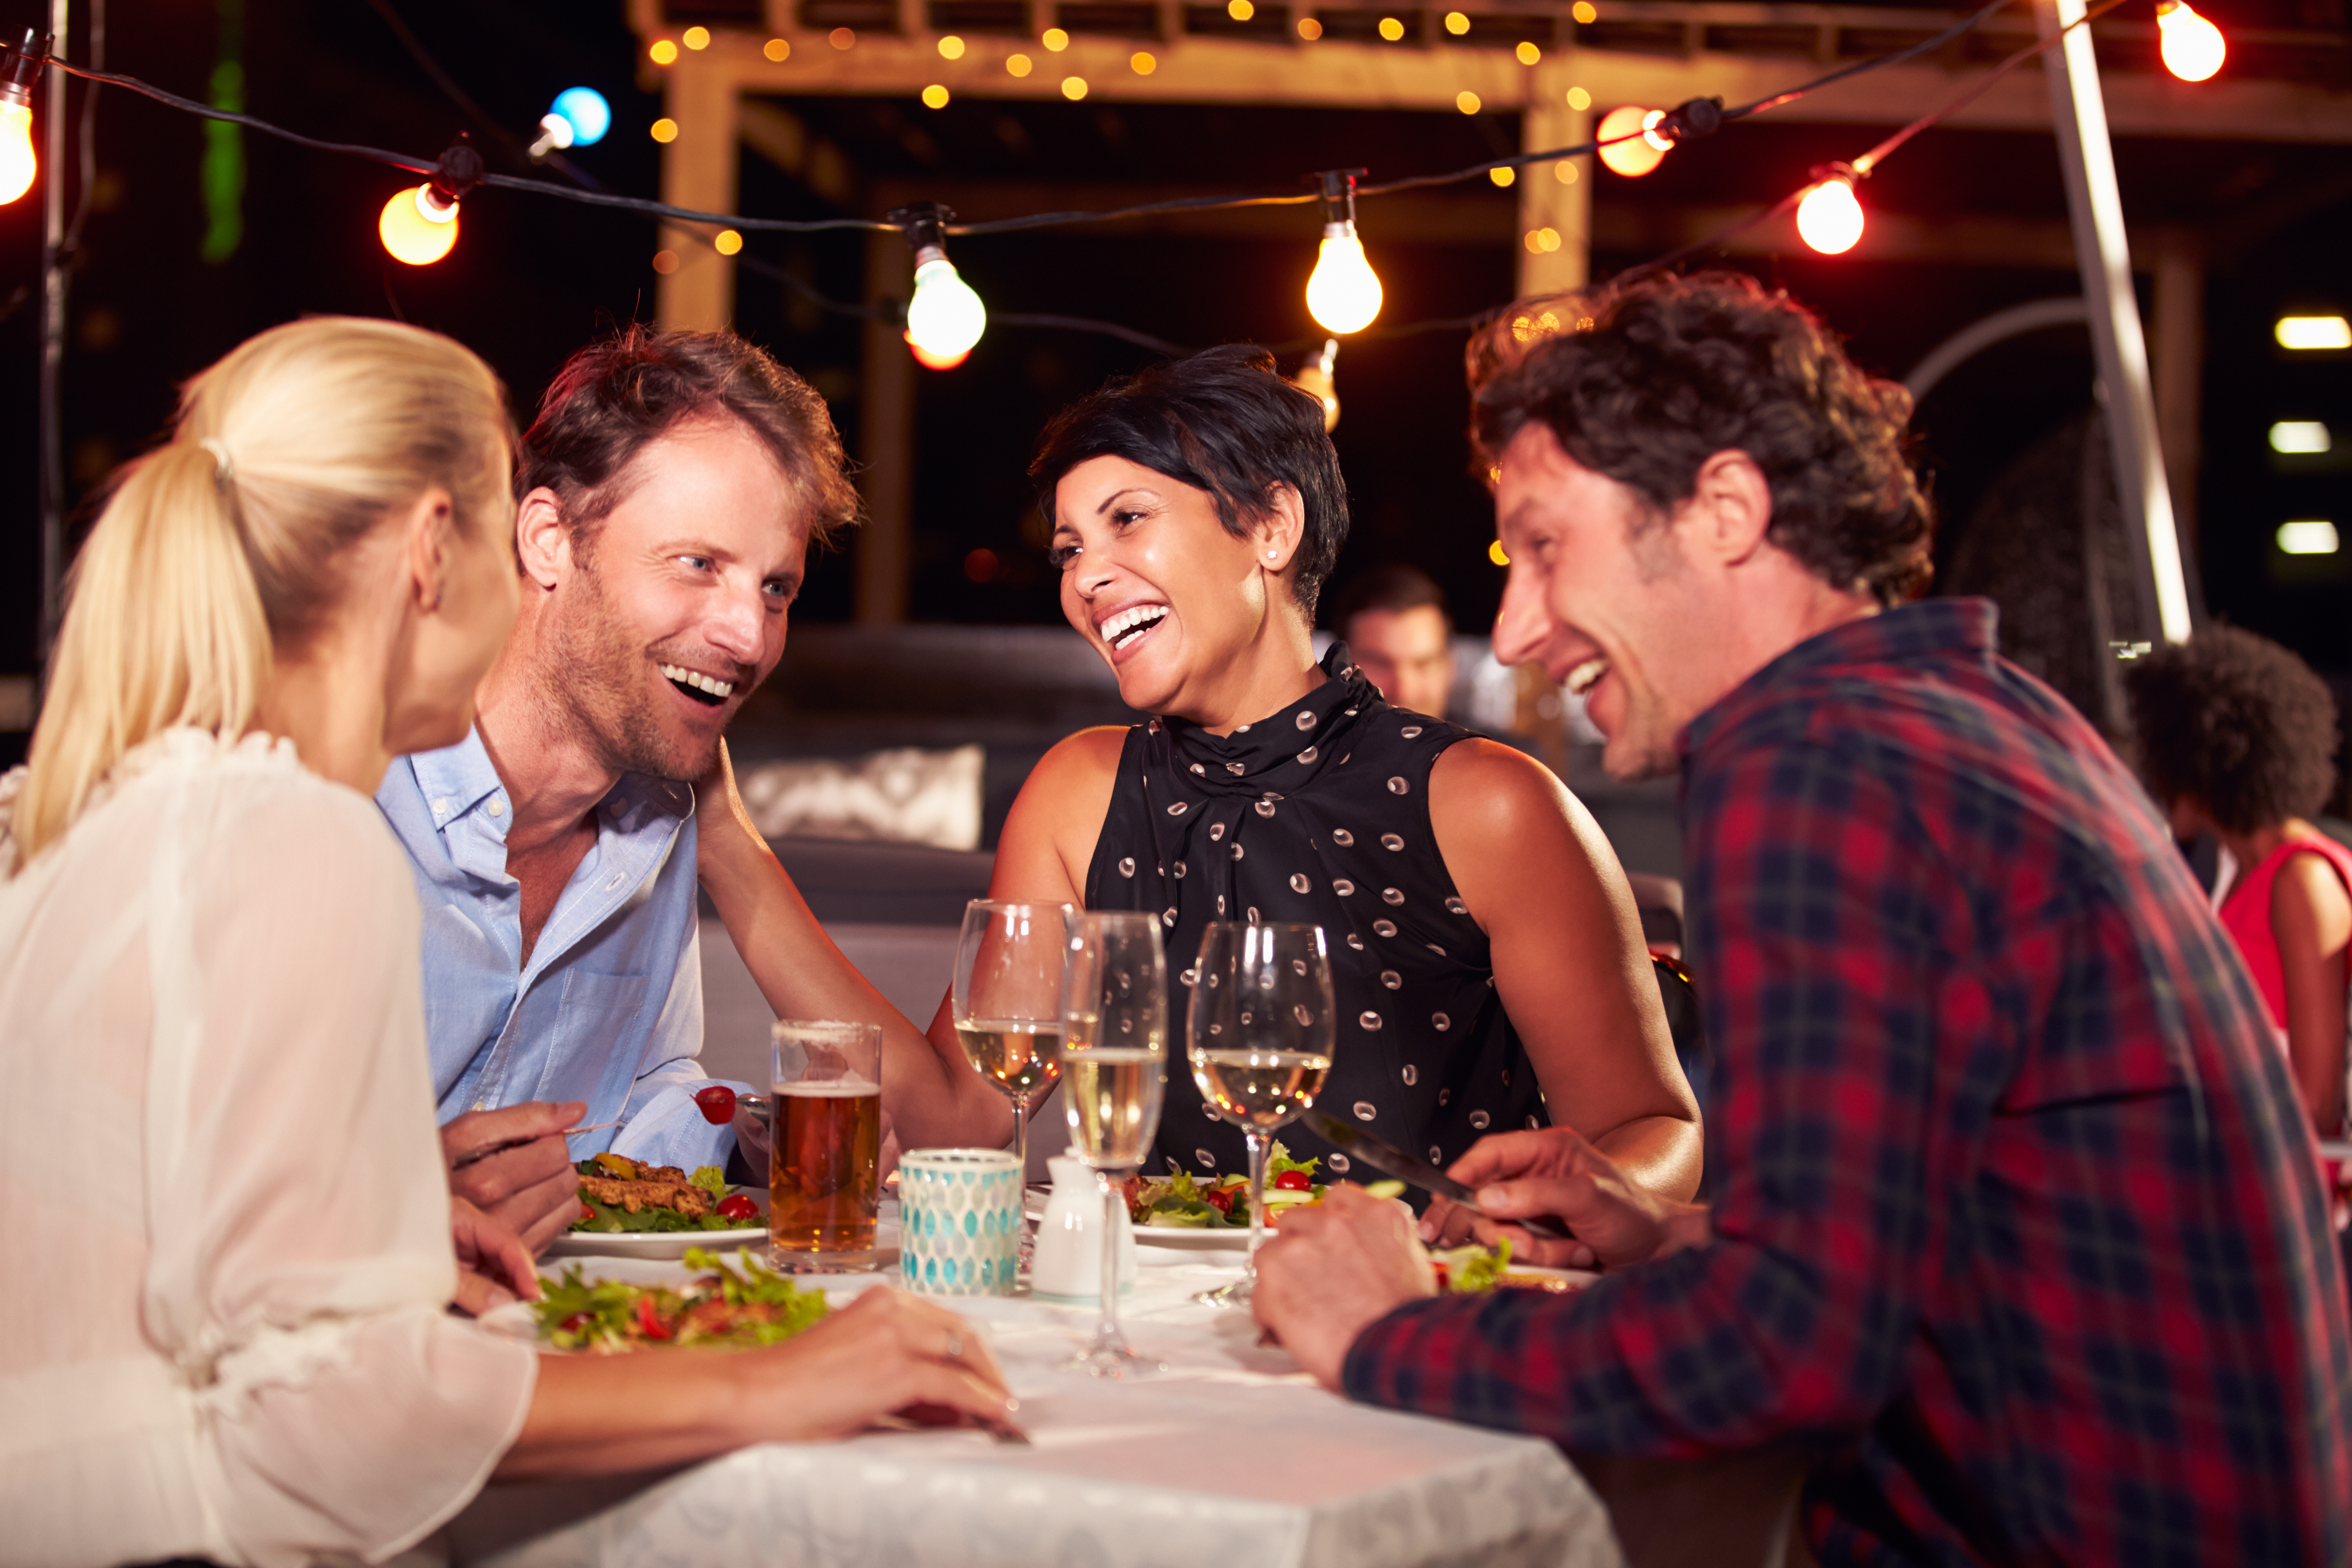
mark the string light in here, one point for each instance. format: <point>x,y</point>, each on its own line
<point>2310,536</point>
<point>842,38</point>
<point>1456,22</point>
<point>1579,100</point>
<point>664,130</point>
<point>2308,332</point>
<point>1142,62</point>
<point>1529,54</point>
<point>945,317</point>
<point>1392,29</point>
<point>1018,65</point>
<point>1629,142</point>
<point>579,119</point>
<point>696,37</point>
<point>1310,28</point>
<point>1829,216</point>
<point>935,97</point>
<point>1496,553</point>
<point>2301,436</point>
<point>1054,39</point>
<point>1584,13</point>
<point>1315,378</point>
<point>419,226</point>
<point>1503,177</point>
<point>1343,293</point>
<point>1240,10</point>
<point>2192,47</point>
<point>777,49</point>
<point>662,52</point>
<point>17,164</point>
<point>950,47</point>
<point>1466,101</point>
<point>1074,87</point>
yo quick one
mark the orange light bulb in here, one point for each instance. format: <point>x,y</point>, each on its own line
<point>416,228</point>
<point>1631,145</point>
<point>1830,217</point>
<point>2193,47</point>
<point>17,164</point>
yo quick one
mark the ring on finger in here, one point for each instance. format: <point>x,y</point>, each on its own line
<point>955,1345</point>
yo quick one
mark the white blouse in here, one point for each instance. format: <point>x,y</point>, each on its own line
<point>224,1219</point>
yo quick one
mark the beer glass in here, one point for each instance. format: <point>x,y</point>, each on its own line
<point>1008,1000</point>
<point>1115,1074</point>
<point>825,1127</point>
<point>1258,1035</point>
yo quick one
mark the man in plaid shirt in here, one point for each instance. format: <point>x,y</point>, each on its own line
<point>2014,1211</point>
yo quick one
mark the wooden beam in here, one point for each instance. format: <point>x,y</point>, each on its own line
<point>1555,239</point>
<point>699,171</point>
<point>886,423</point>
<point>1193,69</point>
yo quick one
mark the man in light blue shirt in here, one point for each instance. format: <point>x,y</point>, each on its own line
<point>668,492</point>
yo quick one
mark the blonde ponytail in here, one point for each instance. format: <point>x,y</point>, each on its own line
<point>225,545</point>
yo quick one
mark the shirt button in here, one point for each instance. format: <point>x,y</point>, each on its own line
<point>497,807</point>
<point>441,807</point>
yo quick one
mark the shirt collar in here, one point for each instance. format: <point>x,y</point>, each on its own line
<point>1968,626</point>
<point>457,779</point>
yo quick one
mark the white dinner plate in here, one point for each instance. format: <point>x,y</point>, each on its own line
<point>657,1244</point>
<point>1184,1237</point>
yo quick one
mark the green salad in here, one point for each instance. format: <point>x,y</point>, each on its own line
<point>617,1195</point>
<point>725,1307</point>
<point>1185,1202</point>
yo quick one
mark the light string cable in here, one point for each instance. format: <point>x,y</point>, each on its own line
<point>1860,168</point>
<point>1698,116</point>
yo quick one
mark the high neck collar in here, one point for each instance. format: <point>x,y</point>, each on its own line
<point>1274,753</point>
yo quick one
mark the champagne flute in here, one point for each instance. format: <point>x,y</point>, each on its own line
<point>1259,1041</point>
<point>1115,1054</point>
<point>1007,1001</point>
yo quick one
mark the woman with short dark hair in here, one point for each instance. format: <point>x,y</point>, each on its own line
<point>2237,739</point>
<point>1485,948</point>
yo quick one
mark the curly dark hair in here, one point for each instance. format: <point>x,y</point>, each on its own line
<point>1223,421</point>
<point>616,396</point>
<point>1646,379</point>
<point>2236,724</point>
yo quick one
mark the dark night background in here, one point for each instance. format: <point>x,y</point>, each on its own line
<point>532,279</point>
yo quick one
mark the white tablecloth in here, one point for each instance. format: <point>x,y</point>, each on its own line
<point>1232,1459</point>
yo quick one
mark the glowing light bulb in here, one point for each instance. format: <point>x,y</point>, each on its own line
<point>1315,379</point>
<point>585,111</point>
<point>2308,332</point>
<point>2193,47</point>
<point>1625,151</point>
<point>21,70</point>
<point>1830,217</point>
<point>1344,293</point>
<point>945,317</point>
<point>417,227</point>
<point>17,164</point>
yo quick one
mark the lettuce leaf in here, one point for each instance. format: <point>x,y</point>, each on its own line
<point>710,1179</point>
<point>1278,1161</point>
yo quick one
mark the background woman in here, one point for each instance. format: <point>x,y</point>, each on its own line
<point>2237,738</point>
<point>1485,947</point>
<point>244,1353</point>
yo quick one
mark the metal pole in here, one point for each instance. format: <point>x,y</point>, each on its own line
<point>2078,113</point>
<point>53,343</point>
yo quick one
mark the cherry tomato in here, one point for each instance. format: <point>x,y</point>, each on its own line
<point>585,1213</point>
<point>718,1103</point>
<point>650,1319</point>
<point>735,1205</point>
<point>1293,1181</point>
<point>575,1322</point>
<point>1218,1199</point>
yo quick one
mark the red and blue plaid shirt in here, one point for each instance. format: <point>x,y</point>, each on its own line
<point>2015,1206</point>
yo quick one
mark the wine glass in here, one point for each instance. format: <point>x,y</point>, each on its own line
<point>1007,1000</point>
<point>1259,1040</point>
<point>1115,1056</point>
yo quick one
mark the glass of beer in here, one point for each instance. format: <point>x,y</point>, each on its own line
<point>1115,1071</point>
<point>1258,1037</point>
<point>825,1123</point>
<point>1008,1000</point>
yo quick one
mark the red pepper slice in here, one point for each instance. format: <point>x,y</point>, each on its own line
<point>718,1104</point>
<point>649,1320</point>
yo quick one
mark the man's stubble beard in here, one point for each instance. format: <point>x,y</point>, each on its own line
<point>596,674</point>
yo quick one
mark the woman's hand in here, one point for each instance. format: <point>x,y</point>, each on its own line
<point>493,1265</point>
<point>1555,1172</point>
<point>724,831</point>
<point>884,1354</point>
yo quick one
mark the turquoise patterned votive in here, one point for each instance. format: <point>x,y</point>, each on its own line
<point>958,1221</point>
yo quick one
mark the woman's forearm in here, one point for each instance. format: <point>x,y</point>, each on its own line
<point>612,1414</point>
<point>1662,1152</point>
<point>930,1093</point>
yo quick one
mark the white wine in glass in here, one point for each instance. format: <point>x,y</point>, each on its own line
<point>1259,1032</point>
<point>1007,1000</point>
<point>1115,1059</point>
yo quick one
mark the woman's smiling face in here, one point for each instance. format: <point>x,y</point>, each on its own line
<point>1151,578</point>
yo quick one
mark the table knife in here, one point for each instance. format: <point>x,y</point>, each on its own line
<point>1392,1161</point>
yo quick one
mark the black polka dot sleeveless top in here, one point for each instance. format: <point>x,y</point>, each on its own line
<point>1320,815</point>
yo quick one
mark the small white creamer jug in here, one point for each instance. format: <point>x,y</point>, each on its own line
<point>1067,1263</point>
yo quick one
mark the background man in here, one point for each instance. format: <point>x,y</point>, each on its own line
<point>1394,620</point>
<point>670,489</point>
<point>2014,1203</point>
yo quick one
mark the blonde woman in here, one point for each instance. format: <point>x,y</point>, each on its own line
<point>231,1340</point>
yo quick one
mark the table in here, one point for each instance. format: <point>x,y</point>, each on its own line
<point>1232,1459</point>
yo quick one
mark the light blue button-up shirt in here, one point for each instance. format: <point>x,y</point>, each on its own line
<point>609,1009</point>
